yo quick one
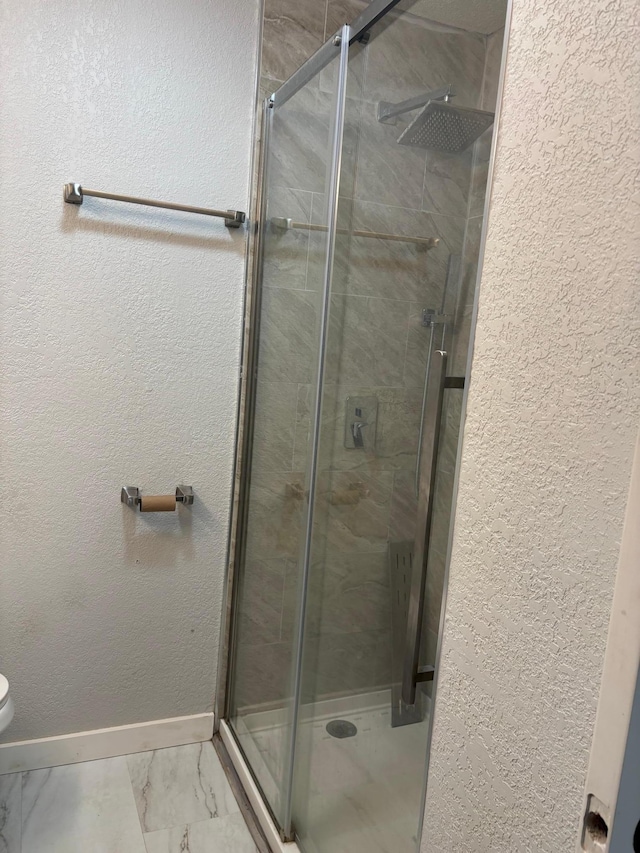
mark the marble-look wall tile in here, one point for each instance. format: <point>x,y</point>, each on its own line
<point>179,785</point>
<point>367,340</point>
<point>350,592</point>
<point>341,664</point>
<point>274,520</point>
<point>412,57</point>
<point>358,511</point>
<point>262,675</point>
<point>80,807</point>
<point>11,813</point>
<point>291,33</point>
<point>274,426</point>
<point>399,414</point>
<point>299,149</point>
<point>387,268</point>
<point>288,335</point>
<point>302,437</point>
<point>219,835</point>
<point>318,245</point>
<point>388,173</point>
<point>446,183</point>
<point>261,599</point>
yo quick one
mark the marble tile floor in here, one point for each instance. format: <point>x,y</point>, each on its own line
<point>174,800</point>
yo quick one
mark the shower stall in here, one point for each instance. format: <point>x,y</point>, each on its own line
<point>374,165</point>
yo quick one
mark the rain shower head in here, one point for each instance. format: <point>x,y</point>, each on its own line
<point>441,126</point>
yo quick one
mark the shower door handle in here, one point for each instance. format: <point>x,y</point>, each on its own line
<point>412,671</point>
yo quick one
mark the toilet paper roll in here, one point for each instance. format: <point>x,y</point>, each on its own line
<point>158,503</point>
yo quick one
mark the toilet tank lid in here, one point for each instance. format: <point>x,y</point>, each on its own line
<point>4,690</point>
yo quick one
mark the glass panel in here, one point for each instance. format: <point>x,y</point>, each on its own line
<point>361,753</point>
<point>297,163</point>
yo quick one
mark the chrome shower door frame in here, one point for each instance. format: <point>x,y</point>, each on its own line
<point>347,36</point>
<point>374,12</point>
<point>336,45</point>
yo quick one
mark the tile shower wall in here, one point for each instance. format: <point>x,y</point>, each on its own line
<point>377,345</point>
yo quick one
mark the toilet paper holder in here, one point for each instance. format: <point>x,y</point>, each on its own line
<point>131,495</point>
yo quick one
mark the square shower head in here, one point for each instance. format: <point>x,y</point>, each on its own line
<point>442,126</point>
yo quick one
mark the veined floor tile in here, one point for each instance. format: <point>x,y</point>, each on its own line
<point>218,835</point>
<point>10,812</point>
<point>80,807</point>
<point>180,785</point>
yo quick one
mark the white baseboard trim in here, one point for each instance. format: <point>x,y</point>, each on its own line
<point>252,792</point>
<point>104,743</point>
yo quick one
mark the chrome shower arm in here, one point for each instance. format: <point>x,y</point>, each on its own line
<point>388,111</point>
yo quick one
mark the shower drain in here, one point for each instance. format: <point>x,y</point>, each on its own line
<point>341,728</point>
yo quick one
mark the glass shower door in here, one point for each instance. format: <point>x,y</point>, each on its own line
<point>299,172</point>
<point>402,291</point>
<point>374,182</point>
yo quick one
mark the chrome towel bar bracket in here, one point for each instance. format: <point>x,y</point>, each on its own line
<point>75,193</point>
<point>131,495</point>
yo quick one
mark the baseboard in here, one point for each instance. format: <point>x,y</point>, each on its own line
<point>104,743</point>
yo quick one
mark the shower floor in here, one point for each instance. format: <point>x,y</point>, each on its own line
<point>359,794</point>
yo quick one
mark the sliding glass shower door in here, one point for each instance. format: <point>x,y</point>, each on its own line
<point>376,156</point>
<point>300,128</point>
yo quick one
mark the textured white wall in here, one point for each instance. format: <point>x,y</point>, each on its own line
<point>119,351</point>
<point>548,442</point>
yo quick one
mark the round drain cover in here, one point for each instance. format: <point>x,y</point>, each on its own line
<point>341,728</point>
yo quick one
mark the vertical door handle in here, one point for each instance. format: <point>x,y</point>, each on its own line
<point>412,671</point>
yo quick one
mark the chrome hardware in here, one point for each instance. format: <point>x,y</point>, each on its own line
<point>412,672</point>
<point>75,193</point>
<point>184,495</point>
<point>388,112</point>
<point>131,495</point>
<point>283,223</point>
<point>434,318</point>
<point>360,420</point>
<point>356,433</point>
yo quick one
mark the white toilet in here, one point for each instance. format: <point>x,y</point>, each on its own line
<point>6,704</point>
